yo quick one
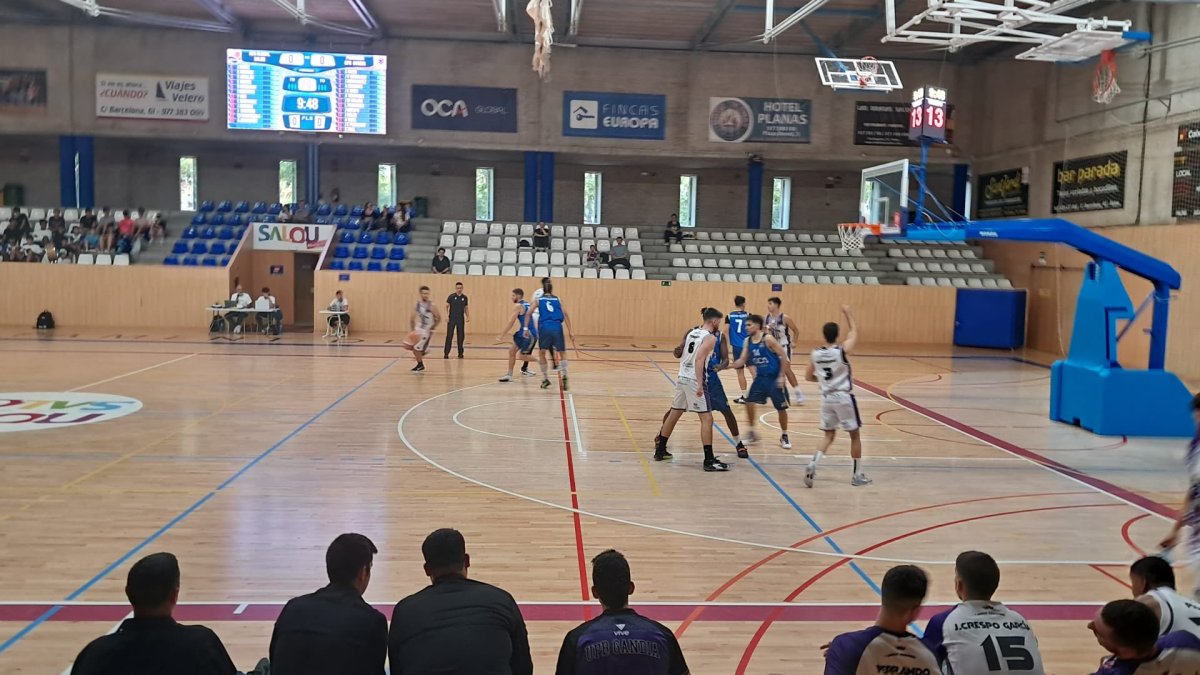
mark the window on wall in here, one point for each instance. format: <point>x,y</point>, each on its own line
<point>484,197</point>
<point>591,197</point>
<point>781,203</point>
<point>187,184</point>
<point>287,181</point>
<point>387,185</point>
<point>687,201</point>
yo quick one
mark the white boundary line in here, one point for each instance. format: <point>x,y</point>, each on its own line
<point>133,372</point>
<point>492,433</point>
<point>658,528</point>
<point>578,440</point>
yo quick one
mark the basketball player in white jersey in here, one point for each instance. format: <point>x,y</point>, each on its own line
<point>978,635</point>
<point>690,389</point>
<point>830,368</point>
<point>1189,514</point>
<point>1153,584</point>
<point>425,318</point>
<point>783,329</point>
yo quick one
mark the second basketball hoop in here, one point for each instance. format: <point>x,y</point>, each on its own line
<point>865,74</point>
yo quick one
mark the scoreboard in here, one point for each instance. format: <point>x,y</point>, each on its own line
<point>306,91</point>
<point>929,114</point>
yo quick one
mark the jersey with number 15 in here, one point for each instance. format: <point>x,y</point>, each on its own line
<point>980,636</point>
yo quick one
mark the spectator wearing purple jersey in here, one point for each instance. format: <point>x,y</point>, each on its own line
<point>1129,631</point>
<point>887,647</point>
<point>619,641</point>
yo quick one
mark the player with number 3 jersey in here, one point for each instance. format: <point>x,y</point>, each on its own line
<point>830,368</point>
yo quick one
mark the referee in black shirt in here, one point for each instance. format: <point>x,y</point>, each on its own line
<point>458,314</point>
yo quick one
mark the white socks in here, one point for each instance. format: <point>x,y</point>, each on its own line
<point>816,458</point>
<point>857,462</point>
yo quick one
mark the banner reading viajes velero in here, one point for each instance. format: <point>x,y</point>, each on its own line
<point>609,115</point>
<point>759,120</point>
<point>291,236</point>
<point>152,97</point>
<point>1185,187</point>
<point>1003,194</point>
<point>464,108</point>
<point>1095,183</point>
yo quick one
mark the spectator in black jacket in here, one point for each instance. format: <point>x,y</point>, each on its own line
<point>333,630</point>
<point>456,625</point>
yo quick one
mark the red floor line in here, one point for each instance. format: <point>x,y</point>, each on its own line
<point>583,576</point>
<point>766,624</point>
<point>1125,533</point>
<point>1110,575</point>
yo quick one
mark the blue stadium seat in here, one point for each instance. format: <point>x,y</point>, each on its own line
<point>218,248</point>
<point>206,206</point>
<point>170,260</point>
<point>234,220</point>
<point>355,266</point>
<point>341,252</point>
<point>394,267</point>
<point>225,261</point>
<point>199,248</point>
<point>259,207</point>
<point>374,266</point>
<point>341,221</point>
<point>341,210</point>
<point>357,212</point>
<point>337,265</point>
<point>208,262</point>
<point>324,210</point>
<point>366,238</point>
<point>242,207</point>
<point>398,253</point>
<point>275,208</point>
<point>383,238</point>
<point>361,252</point>
<point>401,239</point>
<point>199,219</point>
<point>209,232</point>
<point>217,219</point>
<point>179,248</point>
<point>225,207</point>
<point>321,220</point>
<point>190,233</point>
<point>347,237</point>
<point>353,224</point>
<point>225,233</point>
<point>190,261</point>
<point>379,253</point>
<point>271,218</point>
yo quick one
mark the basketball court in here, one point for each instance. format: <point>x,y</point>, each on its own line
<point>246,459</point>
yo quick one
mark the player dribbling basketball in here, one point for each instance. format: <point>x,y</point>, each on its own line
<point>425,318</point>
<point>524,340</point>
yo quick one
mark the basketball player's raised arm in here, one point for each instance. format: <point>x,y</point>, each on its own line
<point>851,340</point>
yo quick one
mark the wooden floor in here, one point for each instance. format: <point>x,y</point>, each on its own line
<point>248,458</point>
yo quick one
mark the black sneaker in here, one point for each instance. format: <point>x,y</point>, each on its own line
<point>419,368</point>
<point>662,455</point>
<point>445,356</point>
<point>740,399</point>
<point>715,465</point>
<point>564,382</point>
<point>742,452</point>
<point>545,384</point>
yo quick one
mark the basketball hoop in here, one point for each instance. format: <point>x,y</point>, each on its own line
<point>867,68</point>
<point>1104,79</point>
<point>853,234</point>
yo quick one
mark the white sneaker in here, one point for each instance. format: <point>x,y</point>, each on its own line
<point>237,330</point>
<point>506,378</point>
<point>798,397</point>
<point>860,479</point>
<point>810,472</point>
<point>527,373</point>
<point>785,442</point>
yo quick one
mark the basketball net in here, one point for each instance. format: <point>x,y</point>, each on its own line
<point>866,68</point>
<point>853,235</point>
<point>1104,79</point>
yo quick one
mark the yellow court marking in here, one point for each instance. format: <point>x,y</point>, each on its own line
<point>633,442</point>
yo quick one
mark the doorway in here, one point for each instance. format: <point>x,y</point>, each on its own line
<point>305,264</point>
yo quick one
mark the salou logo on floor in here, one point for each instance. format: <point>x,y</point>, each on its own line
<point>41,410</point>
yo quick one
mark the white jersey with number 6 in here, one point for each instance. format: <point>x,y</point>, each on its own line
<point>1176,612</point>
<point>691,345</point>
<point>977,637</point>
<point>832,369</point>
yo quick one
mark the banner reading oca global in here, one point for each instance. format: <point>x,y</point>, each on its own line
<point>464,108</point>
<point>291,236</point>
<point>607,115</point>
<point>42,410</point>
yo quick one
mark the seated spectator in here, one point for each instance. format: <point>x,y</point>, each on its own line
<point>60,245</point>
<point>1129,631</point>
<point>954,635</point>
<point>339,304</point>
<point>382,220</point>
<point>333,630</point>
<point>302,213</point>
<point>12,233</point>
<point>158,229</point>
<point>34,250</point>
<point>141,225</point>
<point>1153,583</point>
<point>673,230</point>
<point>269,316</point>
<point>401,222</point>
<point>126,226</point>
<point>589,650</point>
<point>90,241</point>
<point>457,625</point>
<point>592,257</point>
<point>21,220</point>
<point>56,220</point>
<point>87,221</point>
<point>441,264</point>
<point>887,647</point>
<point>541,237</point>
<point>107,217</point>
<point>618,255</point>
<point>241,300</point>
<point>152,643</point>
<point>284,215</point>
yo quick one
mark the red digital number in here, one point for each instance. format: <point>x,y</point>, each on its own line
<point>914,118</point>
<point>939,117</point>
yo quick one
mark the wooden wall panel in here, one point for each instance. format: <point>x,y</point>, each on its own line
<point>383,302</point>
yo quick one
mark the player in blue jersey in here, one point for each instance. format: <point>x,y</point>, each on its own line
<point>770,362</point>
<point>551,320</point>
<point>736,320</point>
<point>1189,513</point>
<point>525,337</point>
<point>887,647</point>
<point>1129,631</point>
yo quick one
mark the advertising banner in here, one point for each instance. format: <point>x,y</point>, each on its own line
<point>1003,194</point>
<point>1095,183</point>
<point>446,108</point>
<point>881,123</point>
<point>1185,186</point>
<point>608,115</point>
<point>152,97</point>
<point>759,120</point>
<point>22,89</point>
<point>291,236</point>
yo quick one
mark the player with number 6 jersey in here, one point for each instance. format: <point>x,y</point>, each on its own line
<point>691,390</point>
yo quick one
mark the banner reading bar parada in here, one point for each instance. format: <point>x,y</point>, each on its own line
<point>152,97</point>
<point>291,236</point>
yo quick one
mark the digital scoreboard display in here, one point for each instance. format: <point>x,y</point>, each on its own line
<point>306,91</point>
<point>929,114</point>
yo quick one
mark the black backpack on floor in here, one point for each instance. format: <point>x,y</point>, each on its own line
<point>217,325</point>
<point>45,320</point>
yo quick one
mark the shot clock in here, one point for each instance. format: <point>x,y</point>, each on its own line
<point>929,114</point>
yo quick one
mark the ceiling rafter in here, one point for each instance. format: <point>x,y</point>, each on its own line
<point>715,17</point>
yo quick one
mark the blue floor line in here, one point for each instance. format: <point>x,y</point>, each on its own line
<point>187,512</point>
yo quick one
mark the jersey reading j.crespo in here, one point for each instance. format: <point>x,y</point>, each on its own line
<point>832,369</point>
<point>983,637</point>
<point>1176,612</point>
<point>424,314</point>
<point>691,345</point>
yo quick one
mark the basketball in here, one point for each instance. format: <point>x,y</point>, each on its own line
<point>678,351</point>
<point>414,338</point>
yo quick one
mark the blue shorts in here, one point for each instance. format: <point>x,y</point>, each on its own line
<point>763,389</point>
<point>552,338</point>
<point>736,349</point>
<point>716,393</point>
<point>525,343</point>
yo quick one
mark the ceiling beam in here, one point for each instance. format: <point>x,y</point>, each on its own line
<point>573,14</point>
<point>846,34</point>
<point>218,10</point>
<point>363,10</point>
<point>715,17</point>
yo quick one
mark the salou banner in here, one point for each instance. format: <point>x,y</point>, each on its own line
<point>48,410</point>
<point>1185,186</point>
<point>608,115</point>
<point>152,97</point>
<point>291,236</point>
<point>759,120</point>
<point>1003,194</point>
<point>1095,183</point>
<point>447,108</point>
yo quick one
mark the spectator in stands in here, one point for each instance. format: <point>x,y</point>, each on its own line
<point>401,222</point>
<point>441,264</point>
<point>333,630</point>
<point>87,222</point>
<point>618,255</point>
<point>887,646</point>
<point>158,229</point>
<point>673,230</point>
<point>107,218</point>
<point>21,220</point>
<point>284,215</point>
<point>541,237</point>
<point>126,226</point>
<point>152,642</point>
<point>589,648</point>
<point>1129,631</point>
<point>12,233</point>
<point>241,300</point>
<point>141,225</point>
<point>56,220</point>
<point>383,221</point>
<point>369,212</point>
<point>60,245</point>
<point>302,213</point>
<point>34,250</point>
<point>339,304</point>
<point>457,625</point>
<point>592,257</point>
<point>90,241</point>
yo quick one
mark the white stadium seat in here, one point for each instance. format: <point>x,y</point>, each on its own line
<point>706,248</point>
<point>606,273</point>
<point>525,257</point>
<point>463,241</point>
<point>617,232</point>
<point>593,273</point>
<point>717,236</point>
<point>465,228</point>
<point>475,270</point>
<point>856,281</point>
<point>557,272</point>
<point>462,255</point>
<point>494,242</point>
<point>740,264</point>
<point>635,246</point>
<point>496,229</point>
<point>1004,283</point>
<point>679,276</point>
<point>85,259</point>
<point>558,244</point>
<point>702,236</point>
<point>541,258</point>
<point>557,258</point>
<point>481,229</point>
<point>557,231</point>
<point>573,260</point>
<point>808,279</point>
<point>574,273</point>
<point>447,241</point>
<point>710,263</point>
<point>478,256</point>
<point>574,245</point>
<point>745,279</point>
<point>458,269</point>
<point>636,261</point>
<point>872,281</point>
<point>508,271</point>
<point>541,271</point>
<point>449,227</point>
<point>491,270</point>
<point>510,242</point>
<point>526,230</point>
<point>958,282</point>
<point>587,232</point>
<point>944,281</point>
<point>694,262</point>
<point>493,257</point>
<point>602,233</point>
<point>622,273</point>
<point>512,230</point>
<point>524,271</point>
<point>572,232</point>
<point>678,262</point>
